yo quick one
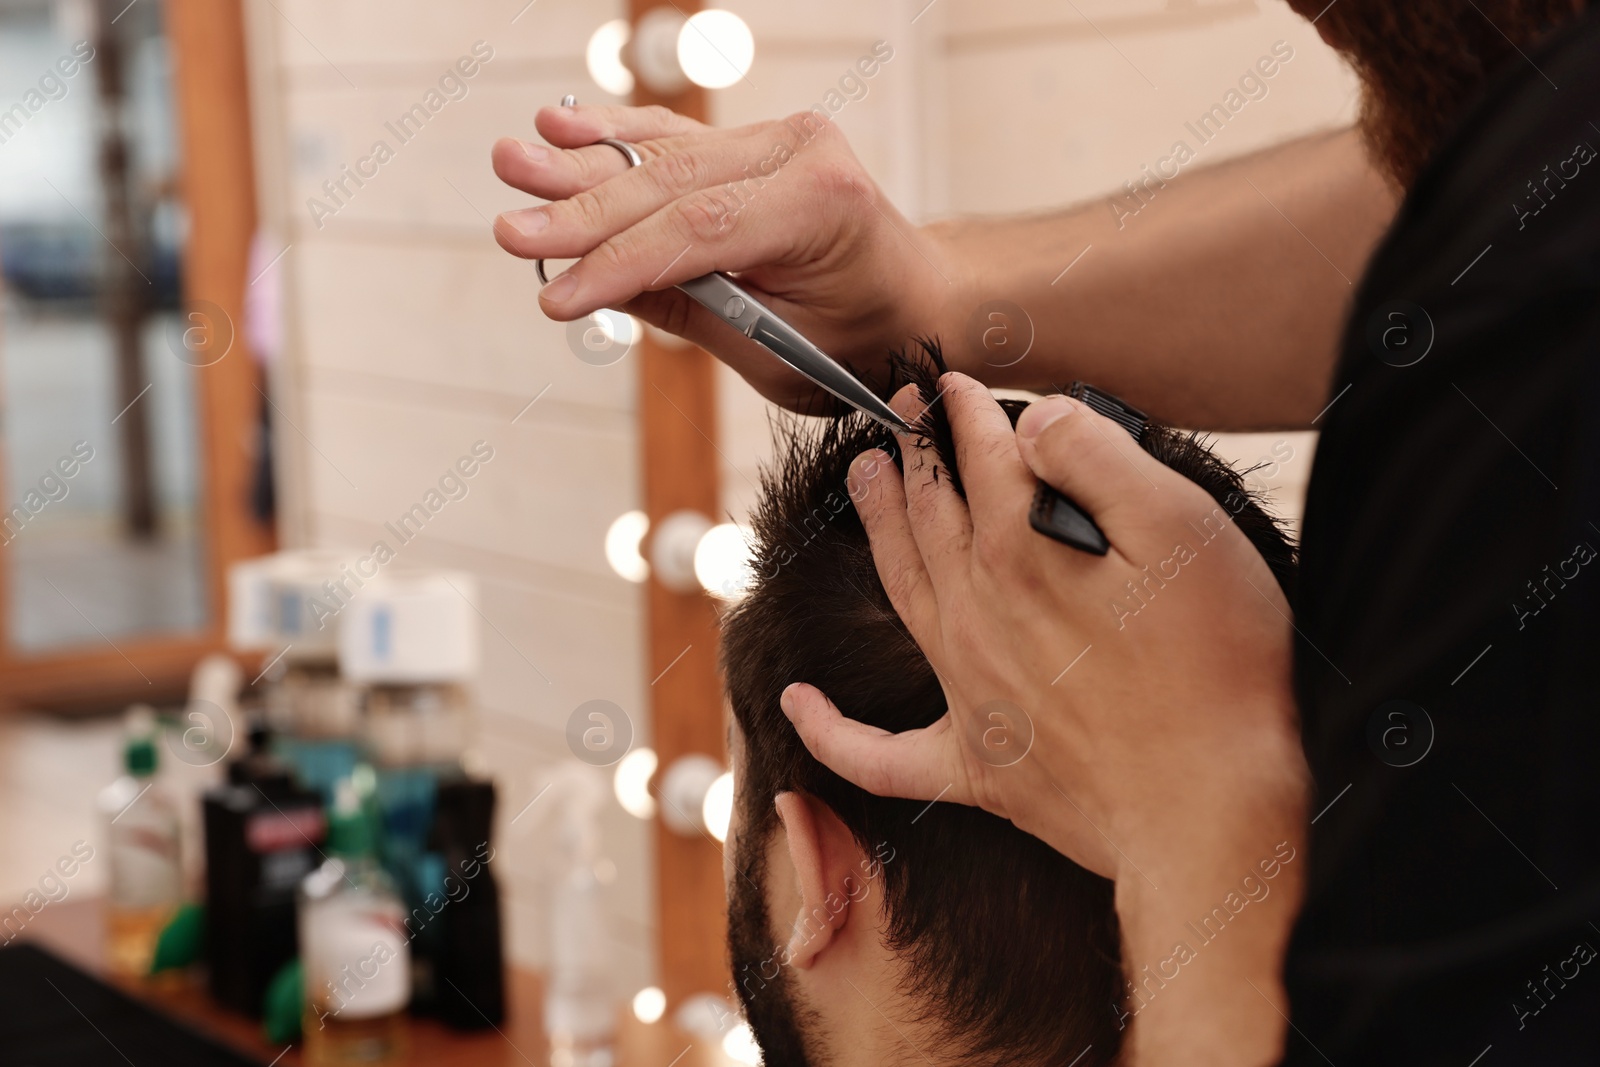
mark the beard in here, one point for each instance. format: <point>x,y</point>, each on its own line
<point>772,1006</point>
<point>1422,62</point>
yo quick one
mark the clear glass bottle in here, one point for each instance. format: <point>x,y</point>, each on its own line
<point>353,947</point>
<point>143,831</point>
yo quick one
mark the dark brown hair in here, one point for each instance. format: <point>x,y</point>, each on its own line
<point>1011,947</point>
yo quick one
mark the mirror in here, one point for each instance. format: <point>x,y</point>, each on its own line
<point>101,466</point>
<point>132,459</point>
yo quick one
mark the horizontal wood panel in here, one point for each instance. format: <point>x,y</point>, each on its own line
<point>548,494</point>
<point>458,316</point>
<point>353,32</point>
<point>433,169</point>
<point>969,19</point>
<point>1082,119</point>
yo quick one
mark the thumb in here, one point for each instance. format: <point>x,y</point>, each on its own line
<point>1089,458</point>
<point>916,764</point>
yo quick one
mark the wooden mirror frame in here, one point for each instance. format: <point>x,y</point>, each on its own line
<point>218,187</point>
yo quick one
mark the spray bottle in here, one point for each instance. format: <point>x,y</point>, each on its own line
<point>580,1010</point>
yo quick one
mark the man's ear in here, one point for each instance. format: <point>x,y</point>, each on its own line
<point>826,861</point>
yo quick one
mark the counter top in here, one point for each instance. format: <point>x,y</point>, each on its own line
<point>75,930</point>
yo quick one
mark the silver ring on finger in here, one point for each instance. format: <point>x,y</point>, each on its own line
<point>630,153</point>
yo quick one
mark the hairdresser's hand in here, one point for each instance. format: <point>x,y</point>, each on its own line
<point>1153,682</point>
<point>784,204</point>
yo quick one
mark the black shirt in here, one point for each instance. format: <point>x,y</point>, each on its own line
<point>1448,669</point>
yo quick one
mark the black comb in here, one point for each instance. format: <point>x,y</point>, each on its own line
<point>1059,518</point>
<point>1117,410</point>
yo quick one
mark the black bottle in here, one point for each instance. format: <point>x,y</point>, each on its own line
<point>262,833</point>
<point>468,959</point>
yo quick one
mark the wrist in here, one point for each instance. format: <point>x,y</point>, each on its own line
<point>951,295</point>
<point>1249,791</point>
<point>1232,866</point>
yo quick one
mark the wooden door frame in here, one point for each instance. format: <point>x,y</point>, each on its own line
<point>212,102</point>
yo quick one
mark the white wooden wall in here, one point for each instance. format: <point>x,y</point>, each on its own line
<point>409,335</point>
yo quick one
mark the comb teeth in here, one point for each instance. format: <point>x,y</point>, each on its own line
<point>1125,415</point>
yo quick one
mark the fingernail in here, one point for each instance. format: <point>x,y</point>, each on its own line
<point>528,221</point>
<point>562,288</point>
<point>786,701</point>
<point>1041,413</point>
<point>536,153</point>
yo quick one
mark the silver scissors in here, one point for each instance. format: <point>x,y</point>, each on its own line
<point>1052,513</point>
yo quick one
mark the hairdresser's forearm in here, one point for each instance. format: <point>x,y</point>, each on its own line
<point>1219,304</point>
<point>1205,929</point>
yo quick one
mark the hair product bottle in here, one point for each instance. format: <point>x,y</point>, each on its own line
<point>262,833</point>
<point>314,712</point>
<point>143,831</point>
<point>288,607</point>
<point>353,947</point>
<point>468,960</point>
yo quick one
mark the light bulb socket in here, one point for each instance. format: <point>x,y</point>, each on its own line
<point>652,52</point>
<point>672,548</point>
<point>683,792</point>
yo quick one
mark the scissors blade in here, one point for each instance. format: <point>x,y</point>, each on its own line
<point>733,304</point>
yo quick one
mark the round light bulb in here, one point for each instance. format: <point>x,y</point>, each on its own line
<point>623,538</point>
<point>740,1045</point>
<point>649,1004</point>
<point>631,783</point>
<point>717,808</point>
<point>603,57</point>
<point>715,48</point>
<point>722,562</point>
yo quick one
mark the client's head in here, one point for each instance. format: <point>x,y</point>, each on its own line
<point>866,929</point>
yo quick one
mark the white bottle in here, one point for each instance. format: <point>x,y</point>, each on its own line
<point>353,947</point>
<point>143,832</point>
